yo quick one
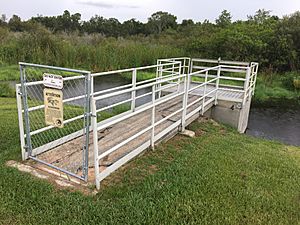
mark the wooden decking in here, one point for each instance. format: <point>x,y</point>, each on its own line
<point>229,94</point>
<point>69,155</point>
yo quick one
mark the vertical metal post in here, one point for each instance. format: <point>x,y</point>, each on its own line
<point>191,66</point>
<point>26,113</point>
<point>246,85</point>
<point>95,142</point>
<point>160,76</point>
<point>133,93</point>
<point>92,86</point>
<point>157,63</point>
<point>203,100</point>
<point>184,101</point>
<point>255,76</point>
<point>153,117</point>
<point>20,118</point>
<point>173,66</point>
<point>178,81</point>
<point>217,84</point>
<point>252,66</point>
<point>87,117</point>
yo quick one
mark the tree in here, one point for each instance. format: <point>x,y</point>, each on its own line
<point>161,21</point>
<point>3,20</point>
<point>132,27</point>
<point>289,29</point>
<point>68,22</point>
<point>188,22</point>
<point>98,24</point>
<point>260,16</point>
<point>224,19</point>
<point>15,24</point>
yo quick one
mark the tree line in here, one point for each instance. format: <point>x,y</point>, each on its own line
<point>67,22</point>
<point>263,37</point>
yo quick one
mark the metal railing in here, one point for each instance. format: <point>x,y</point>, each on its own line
<point>189,107</point>
<point>35,136</point>
<point>195,84</point>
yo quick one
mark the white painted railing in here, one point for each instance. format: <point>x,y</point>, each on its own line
<point>190,77</point>
<point>187,110</point>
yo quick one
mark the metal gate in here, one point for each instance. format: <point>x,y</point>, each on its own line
<point>37,135</point>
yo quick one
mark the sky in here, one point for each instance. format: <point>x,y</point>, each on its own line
<point>198,10</point>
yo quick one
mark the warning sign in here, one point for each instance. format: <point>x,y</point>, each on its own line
<point>53,81</point>
<point>53,100</point>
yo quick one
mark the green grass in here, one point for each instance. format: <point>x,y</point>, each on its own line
<point>6,90</point>
<point>276,89</point>
<point>141,75</point>
<point>219,177</point>
<point>9,73</point>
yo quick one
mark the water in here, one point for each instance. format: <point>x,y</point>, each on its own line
<point>75,88</point>
<point>111,81</point>
<point>275,124</point>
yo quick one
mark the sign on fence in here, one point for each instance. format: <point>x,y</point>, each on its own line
<point>53,100</point>
<point>52,81</point>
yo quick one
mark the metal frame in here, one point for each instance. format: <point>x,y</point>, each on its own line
<point>159,84</point>
<point>28,152</point>
<point>173,72</point>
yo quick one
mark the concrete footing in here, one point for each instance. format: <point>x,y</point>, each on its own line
<point>231,113</point>
<point>188,133</point>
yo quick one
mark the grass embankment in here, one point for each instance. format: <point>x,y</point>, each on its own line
<point>219,177</point>
<point>277,90</point>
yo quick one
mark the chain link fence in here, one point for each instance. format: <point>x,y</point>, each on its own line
<point>54,140</point>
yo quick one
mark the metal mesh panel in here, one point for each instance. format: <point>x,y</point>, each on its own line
<point>63,148</point>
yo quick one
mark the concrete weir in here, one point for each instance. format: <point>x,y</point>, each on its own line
<point>181,90</point>
<point>232,113</point>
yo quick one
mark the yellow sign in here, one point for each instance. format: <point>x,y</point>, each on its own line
<point>53,100</point>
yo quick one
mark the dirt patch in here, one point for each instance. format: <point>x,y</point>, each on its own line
<point>49,175</point>
<point>199,132</point>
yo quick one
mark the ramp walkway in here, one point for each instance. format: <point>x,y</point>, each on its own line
<point>182,89</point>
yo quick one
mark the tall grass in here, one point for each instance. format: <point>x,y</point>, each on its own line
<point>91,52</point>
<point>276,90</point>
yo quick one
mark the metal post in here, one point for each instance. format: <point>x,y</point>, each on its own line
<point>158,62</point>
<point>178,81</point>
<point>191,66</point>
<point>188,66</point>
<point>217,84</point>
<point>153,117</point>
<point>246,85</point>
<point>254,85</point>
<point>26,113</point>
<point>160,76</point>
<point>20,117</point>
<point>203,100</point>
<point>87,116</point>
<point>92,86</point>
<point>184,101</point>
<point>133,93</point>
<point>95,142</point>
<point>252,66</point>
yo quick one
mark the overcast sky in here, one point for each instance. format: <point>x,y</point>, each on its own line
<point>198,10</point>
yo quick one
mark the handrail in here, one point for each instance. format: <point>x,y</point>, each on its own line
<point>136,88</point>
<point>148,83</point>
<point>131,69</point>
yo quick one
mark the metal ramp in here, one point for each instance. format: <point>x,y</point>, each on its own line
<point>180,90</point>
